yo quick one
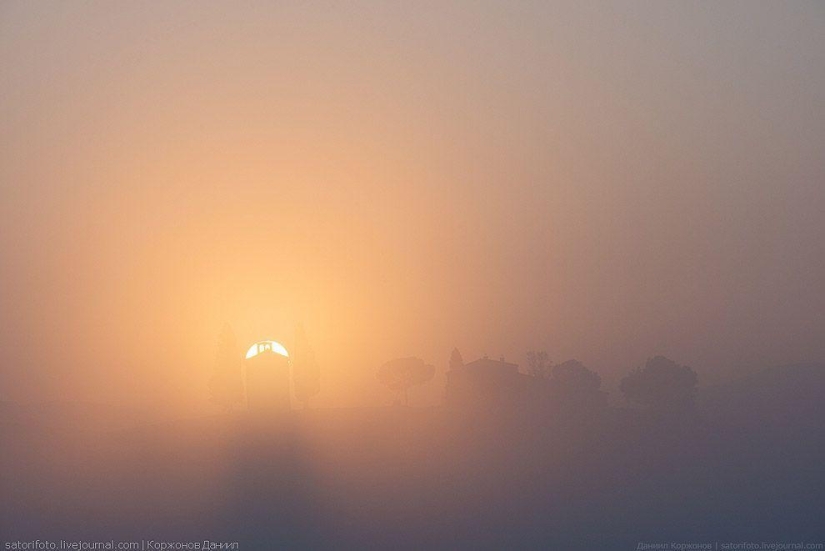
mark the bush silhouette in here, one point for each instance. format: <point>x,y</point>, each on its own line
<point>456,361</point>
<point>661,385</point>
<point>538,363</point>
<point>400,374</point>
<point>573,377</point>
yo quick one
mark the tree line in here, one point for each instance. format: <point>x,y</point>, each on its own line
<point>660,384</point>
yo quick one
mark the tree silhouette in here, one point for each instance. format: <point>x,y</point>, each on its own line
<point>573,377</point>
<point>400,374</point>
<point>226,384</point>
<point>305,372</point>
<point>538,363</point>
<point>661,385</point>
<point>456,361</point>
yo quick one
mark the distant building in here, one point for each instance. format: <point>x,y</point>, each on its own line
<point>485,383</point>
<point>267,378</point>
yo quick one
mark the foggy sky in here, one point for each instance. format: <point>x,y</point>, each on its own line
<point>604,181</point>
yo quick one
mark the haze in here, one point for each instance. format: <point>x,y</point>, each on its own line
<point>607,182</point>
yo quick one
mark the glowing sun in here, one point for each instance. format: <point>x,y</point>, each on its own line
<point>266,346</point>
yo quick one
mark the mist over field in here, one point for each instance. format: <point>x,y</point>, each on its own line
<point>426,275</point>
<point>608,181</point>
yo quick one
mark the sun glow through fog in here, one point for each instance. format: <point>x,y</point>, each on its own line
<point>263,346</point>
